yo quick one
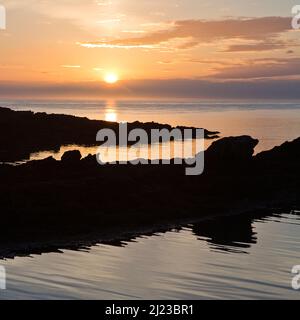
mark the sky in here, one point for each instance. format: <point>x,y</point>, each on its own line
<point>217,49</point>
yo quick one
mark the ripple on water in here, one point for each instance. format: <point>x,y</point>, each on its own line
<point>173,265</point>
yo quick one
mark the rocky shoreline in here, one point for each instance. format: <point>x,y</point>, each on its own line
<point>52,204</point>
<point>25,132</point>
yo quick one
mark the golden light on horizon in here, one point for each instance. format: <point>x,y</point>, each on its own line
<point>111,116</point>
<point>111,78</point>
<point>111,113</point>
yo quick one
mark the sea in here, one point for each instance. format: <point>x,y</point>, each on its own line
<point>252,261</point>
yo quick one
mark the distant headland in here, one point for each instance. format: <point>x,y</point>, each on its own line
<point>26,132</point>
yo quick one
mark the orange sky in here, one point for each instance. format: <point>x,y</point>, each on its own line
<point>81,41</point>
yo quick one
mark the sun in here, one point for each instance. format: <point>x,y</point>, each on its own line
<point>111,78</point>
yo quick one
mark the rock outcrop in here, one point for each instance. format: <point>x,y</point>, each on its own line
<point>25,132</point>
<point>71,157</point>
<point>232,149</point>
<point>46,201</point>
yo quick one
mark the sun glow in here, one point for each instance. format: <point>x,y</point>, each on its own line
<point>111,116</point>
<point>111,78</point>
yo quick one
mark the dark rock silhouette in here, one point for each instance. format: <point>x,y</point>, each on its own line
<point>71,157</point>
<point>232,149</point>
<point>25,132</point>
<point>49,203</point>
<point>288,152</point>
<point>228,233</point>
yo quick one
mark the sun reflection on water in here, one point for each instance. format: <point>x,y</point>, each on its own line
<point>111,114</point>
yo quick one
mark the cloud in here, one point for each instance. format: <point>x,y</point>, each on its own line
<point>71,67</point>
<point>86,14</point>
<point>259,46</point>
<point>280,89</point>
<point>112,46</point>
<point>261,68</point>
<point>11,67</point>
<point>219,62</point>
<point>109,21</point>
<point>104,3</point>
<point>188,45</point>
<point>134,31</point>
<point>202,31</point>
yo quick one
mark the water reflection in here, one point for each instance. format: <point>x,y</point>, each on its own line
<point>170,265</point>
<point>174,149</point>
<point>230,120</point>
<point>227,234</point>
<point>224,234</point>
<point>111,114</point>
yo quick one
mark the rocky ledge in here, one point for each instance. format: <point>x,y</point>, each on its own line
<point>48,201</point>
<point>26,132</point>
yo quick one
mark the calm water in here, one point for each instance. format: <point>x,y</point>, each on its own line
<point>197,262</point>
<point>271,123</point>
<point>203,261</point>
